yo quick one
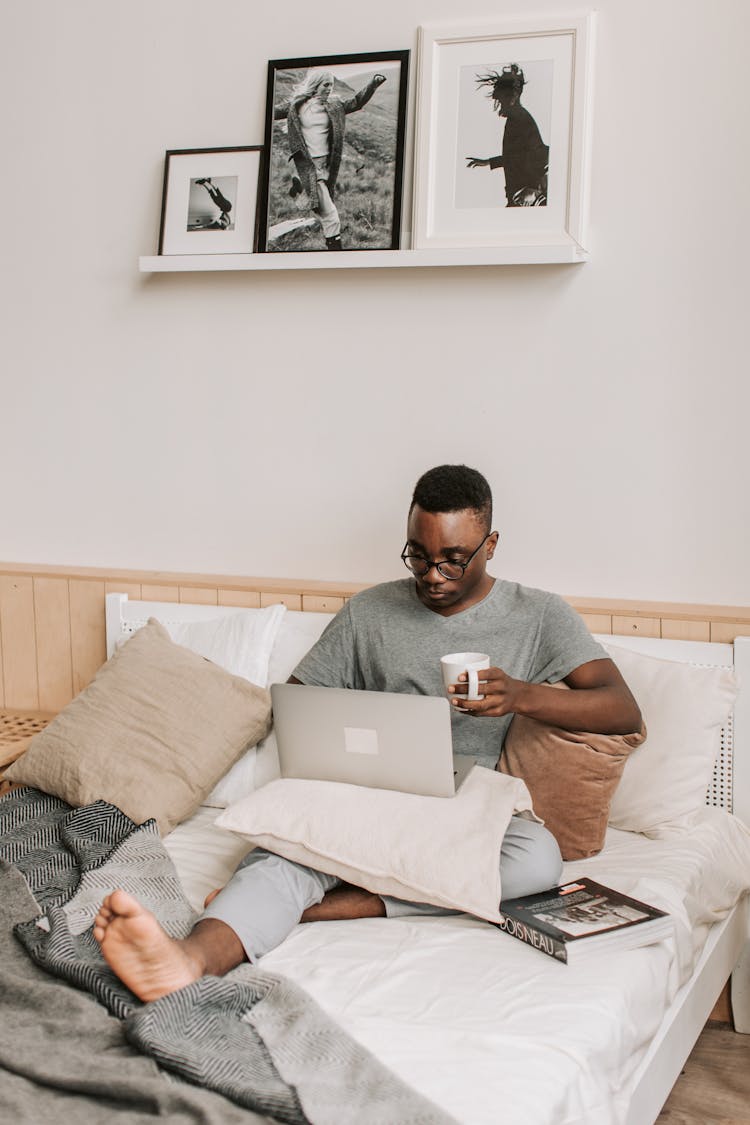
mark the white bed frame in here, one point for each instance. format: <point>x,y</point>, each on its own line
<point>727,950</point>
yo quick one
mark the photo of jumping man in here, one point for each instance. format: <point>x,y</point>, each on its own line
<point>523,154</point>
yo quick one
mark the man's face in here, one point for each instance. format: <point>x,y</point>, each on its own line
<point>450,536</point>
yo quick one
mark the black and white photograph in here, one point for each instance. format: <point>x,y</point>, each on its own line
<point>210,200</point>
<point>501,144</point>
<point>335,143</point>
<point>504,118</point>
<point>592,917</point>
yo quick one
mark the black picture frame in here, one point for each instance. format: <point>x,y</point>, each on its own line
<point>362,161</point>
<point>210,200</point>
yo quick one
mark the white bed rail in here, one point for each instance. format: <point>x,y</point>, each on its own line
<point>741,788</point>
<point>124,616</point>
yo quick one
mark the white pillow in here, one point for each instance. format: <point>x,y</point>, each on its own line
<point>684,707</point>
<point>441,850</point>
<point>240,642</point>
<point>298,633</point>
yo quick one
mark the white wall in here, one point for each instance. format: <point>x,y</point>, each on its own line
<point>275,423</point>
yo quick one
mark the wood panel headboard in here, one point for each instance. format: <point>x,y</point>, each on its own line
<point>52,625</point>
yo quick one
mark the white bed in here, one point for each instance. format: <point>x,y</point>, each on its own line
<point>479,1023</point>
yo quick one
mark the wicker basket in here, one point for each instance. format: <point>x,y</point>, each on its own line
<point>17,728</point>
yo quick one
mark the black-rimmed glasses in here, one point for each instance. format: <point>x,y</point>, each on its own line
<point>420,566</point>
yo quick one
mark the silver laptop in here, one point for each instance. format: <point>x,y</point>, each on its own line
<point>381,739</point>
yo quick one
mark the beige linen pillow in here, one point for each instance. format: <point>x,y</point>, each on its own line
<point>571,777</point>
<point>441,850</point>
<point>152,733</point>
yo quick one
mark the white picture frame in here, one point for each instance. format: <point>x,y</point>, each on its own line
<point>210,200</point>
<point>540,68</point>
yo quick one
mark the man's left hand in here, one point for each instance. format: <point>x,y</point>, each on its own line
<point>379,79</point>
<point>500,692</point>
<point>600,701</point>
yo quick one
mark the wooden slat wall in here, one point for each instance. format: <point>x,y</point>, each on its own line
<point>17,625</point>
<point>676,621</point>
<point>52,636</point>
<point>157,593</point>
<point>54,657</point>
<point>88,642</point>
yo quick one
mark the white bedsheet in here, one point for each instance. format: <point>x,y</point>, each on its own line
<point>482,1024</point>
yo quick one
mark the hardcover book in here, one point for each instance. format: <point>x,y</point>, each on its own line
<point>581,918</point>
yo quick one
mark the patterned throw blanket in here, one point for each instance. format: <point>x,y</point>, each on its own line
<point>251,1037</point>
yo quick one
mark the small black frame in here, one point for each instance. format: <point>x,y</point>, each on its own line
<point>210,200</point>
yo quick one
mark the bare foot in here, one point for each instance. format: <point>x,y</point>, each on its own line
<point>144,957</point>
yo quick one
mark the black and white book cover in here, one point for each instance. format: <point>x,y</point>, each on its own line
<point>583,917</point>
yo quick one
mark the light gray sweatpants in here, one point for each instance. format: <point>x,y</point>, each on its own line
<point>267,895</point>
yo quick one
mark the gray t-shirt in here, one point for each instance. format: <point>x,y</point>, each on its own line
<point>385,639</point>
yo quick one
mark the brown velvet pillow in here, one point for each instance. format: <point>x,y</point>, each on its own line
<point>571,777</point>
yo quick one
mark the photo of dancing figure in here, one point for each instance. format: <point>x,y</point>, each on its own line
<point>525,156</point>
<point>316,121</point>
<point>334,140</point>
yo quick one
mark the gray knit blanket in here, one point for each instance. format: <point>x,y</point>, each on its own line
<point>248,1047</point>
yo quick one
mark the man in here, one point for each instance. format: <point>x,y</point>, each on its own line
<point>525,156</point>
<point>391,638</point>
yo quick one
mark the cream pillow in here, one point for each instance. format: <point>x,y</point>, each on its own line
<point>242,643</point>
<point>152,733</point>
<point>684,707</point>
<point>441,850</point>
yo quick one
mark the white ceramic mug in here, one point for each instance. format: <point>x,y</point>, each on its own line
<point>470,662</point>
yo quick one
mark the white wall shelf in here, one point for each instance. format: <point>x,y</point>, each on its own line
<point>368,259</point>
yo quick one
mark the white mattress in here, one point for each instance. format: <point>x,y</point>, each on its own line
<point>482,1024</point>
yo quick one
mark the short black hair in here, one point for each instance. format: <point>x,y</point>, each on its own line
<point>454,488</point>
